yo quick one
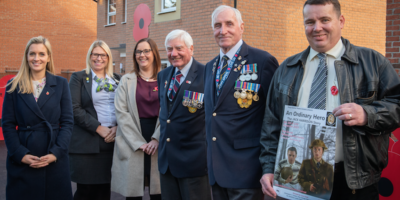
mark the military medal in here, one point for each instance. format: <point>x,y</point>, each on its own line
<point>192,110</point>
<point>185,101</point>
<point>194,100</point>
<point>240,58</point>
<point>243,95</point>
<point>254,76</point>
<point>256,88</point>
<point>242,77</point>
<point>200,101</point>
<point>249,88</point>
<point>247,76</point>
<point>237,88</point>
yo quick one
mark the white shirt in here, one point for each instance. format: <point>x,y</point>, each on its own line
<point>185,70</point>
<point>331,101</point>
<point>231,52</point>
<point>103,103</point>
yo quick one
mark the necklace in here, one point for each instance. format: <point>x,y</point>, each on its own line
<point>146,78</point>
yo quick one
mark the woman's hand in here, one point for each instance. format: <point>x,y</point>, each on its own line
<point>103,131</point>
<point>42,161</point>
<point>152,147</point>
<point>143,147</point>
<point>29,159</point>
<point>111,136</point>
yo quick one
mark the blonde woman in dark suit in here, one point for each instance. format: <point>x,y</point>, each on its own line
<point>92,141</point>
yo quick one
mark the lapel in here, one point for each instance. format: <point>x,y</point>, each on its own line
<point>166,87</point>
<point>88,85</point>
<point>213,71</point>
<point>191,76</point>
<point>48,90</point>
<point>29,99</point>
<point>233,76</point>
<point>131,88</point>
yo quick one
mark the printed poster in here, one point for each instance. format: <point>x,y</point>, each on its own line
<point>305,158</point>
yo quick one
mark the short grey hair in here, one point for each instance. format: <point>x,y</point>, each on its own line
<point>222,8</point>
<point>182,35</point>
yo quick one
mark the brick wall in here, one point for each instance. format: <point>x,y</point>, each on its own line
<point>69,25</point>
<point>393,33</point>
<point>275,26</point>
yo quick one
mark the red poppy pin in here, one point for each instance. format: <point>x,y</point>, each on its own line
<point>334,90</point>
<point>47,93</point>
<point>155,89</point>
<point>142,20</point>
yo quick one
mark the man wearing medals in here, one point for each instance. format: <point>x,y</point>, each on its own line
<point>236,85</point>
<point>182,148</point>
<point>358,85</point>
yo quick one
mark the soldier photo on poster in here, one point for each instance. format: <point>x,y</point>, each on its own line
<point>306,154</point>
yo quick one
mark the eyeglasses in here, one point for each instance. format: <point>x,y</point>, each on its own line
<point>96,55</point>
<point>145,52</point>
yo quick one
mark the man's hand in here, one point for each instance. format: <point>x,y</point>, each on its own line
<point>266,183</point>
<point>103,131</point>
<point>312,188</point>
<point>289,179</point>
<point>351,114</point>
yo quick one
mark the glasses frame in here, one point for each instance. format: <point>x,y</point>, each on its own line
<point>93,55</point>
<point>144,53</point>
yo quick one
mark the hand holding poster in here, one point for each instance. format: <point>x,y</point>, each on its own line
<point>306,154</point>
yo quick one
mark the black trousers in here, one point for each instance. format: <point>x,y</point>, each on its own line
<point>220,193</point>
<point>195,188</point>
<point>92,192</point>
<point>152,197</point>
<point>341,190</point>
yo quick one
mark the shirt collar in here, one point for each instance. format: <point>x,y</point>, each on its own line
<point>322,161</point>
<point>185,69</point>
<point>336,52</point>
<point>231,52</point>
<point>94,74</point>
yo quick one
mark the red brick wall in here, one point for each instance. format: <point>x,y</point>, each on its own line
<point>69,25</point>
<point>393,33</point>
<point>275,26</point>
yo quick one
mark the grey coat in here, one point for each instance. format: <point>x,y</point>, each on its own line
<point>128,161</point>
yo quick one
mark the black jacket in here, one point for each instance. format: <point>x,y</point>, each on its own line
<point>84,138</point>
<point>365,77</point>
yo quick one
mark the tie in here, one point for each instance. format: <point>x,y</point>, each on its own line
<point>318,164</point>
<point>318,88</point>
<point>175,86</point>
<point>223,69</point>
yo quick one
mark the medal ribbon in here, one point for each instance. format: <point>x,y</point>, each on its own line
<point>257,87</point>
<point>221,83</point>
<point>238,85</point>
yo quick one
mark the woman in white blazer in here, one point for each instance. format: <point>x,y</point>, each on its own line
<point>137,108</point>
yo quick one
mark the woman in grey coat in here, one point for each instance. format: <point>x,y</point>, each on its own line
<point>137,108</point>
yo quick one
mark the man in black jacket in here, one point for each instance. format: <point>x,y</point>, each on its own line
<point>358,84</point>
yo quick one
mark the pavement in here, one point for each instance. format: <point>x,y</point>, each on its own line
<point>3,177</point>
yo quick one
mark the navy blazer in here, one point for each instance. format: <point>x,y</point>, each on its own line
<point>233,133</point>
<point>43,127</point>
<point>185,153</point>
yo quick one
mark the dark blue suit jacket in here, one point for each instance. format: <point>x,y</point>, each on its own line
<point>233,156</point>
<point>44,127</point>
<point>185,153</point>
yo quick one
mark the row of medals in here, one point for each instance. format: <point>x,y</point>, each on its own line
<point>245,98</point>
<point>192,104</point>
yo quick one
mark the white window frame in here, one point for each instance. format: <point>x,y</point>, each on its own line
<point>166,10</point>
<point>109,14</point>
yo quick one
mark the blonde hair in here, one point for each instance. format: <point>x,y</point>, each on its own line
<point>109,68</point>
<point>23,78</point>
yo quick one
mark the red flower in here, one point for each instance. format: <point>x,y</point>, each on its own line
<point>155,89</point>
<point>334,90</point>
<point>142,20</point>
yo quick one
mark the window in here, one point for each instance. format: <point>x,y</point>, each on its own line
<point>125,11</point>
<point>168,6</point>
<point>111,12</point>
<point>165,64</point>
